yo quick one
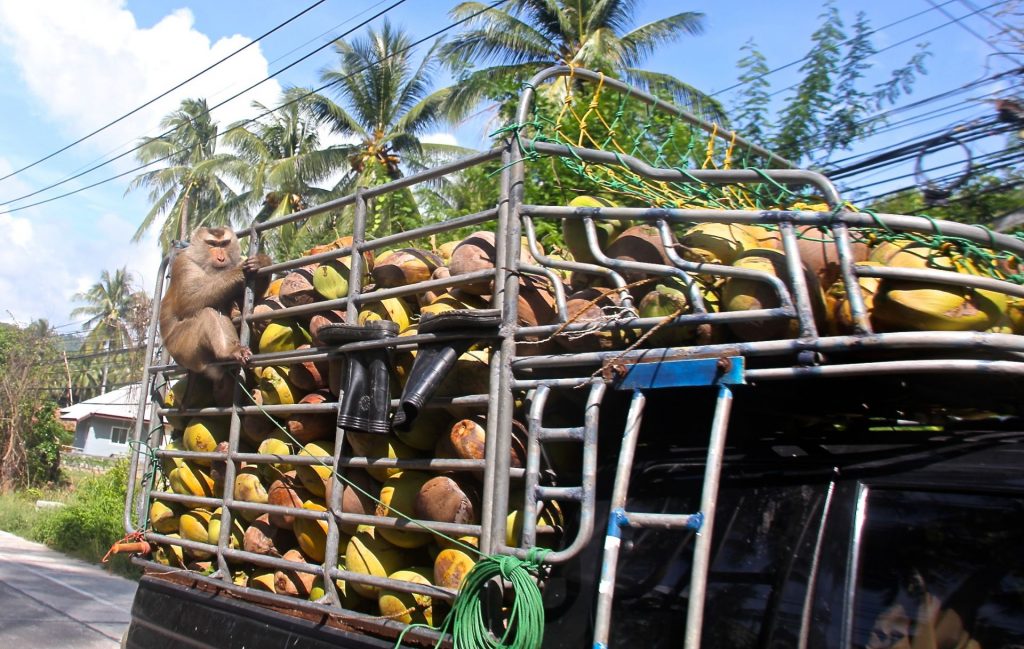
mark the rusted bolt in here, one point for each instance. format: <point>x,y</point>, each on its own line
<point>723,365</point>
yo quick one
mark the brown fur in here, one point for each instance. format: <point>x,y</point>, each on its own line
<point>207,279</point>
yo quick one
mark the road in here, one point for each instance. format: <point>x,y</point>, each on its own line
<point>50,600</point>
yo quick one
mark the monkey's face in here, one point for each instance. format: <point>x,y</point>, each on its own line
<point>218,246</point>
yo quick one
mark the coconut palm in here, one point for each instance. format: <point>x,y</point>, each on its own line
<point>112,308</point>
<point>384,104</point>
<point>524,36</point>
<point>187,188</point>
<point>279,162</point>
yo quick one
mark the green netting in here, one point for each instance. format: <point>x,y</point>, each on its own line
<point>585,114</point>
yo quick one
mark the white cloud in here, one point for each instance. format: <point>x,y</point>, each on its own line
<point>17,231</point>
<point>440,138</point>
<point>87,62</point>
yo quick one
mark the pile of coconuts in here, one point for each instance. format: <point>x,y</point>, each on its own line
<point>416,555</point>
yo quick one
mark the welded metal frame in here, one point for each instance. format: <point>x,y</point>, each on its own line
<point>511,373</point>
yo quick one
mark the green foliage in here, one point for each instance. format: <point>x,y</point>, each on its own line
<point>833,104</point>
<point>43,440</point>
<point>751,110</point>
<point>91,521</point>
<point>803,117</point>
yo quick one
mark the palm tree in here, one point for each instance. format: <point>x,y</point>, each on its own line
<point>187,189</point>
<point>279,163</point>
<point>385,105</point>
<point>111,307</point>
<point>525,36</point>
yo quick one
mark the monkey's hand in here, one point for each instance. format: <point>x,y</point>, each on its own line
<point>254,263</point>
<point>244,355</point>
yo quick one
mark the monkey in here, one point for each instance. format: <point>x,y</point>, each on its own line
<point>207,281</point>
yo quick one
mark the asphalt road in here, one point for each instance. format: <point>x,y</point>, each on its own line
<point>50,600</point>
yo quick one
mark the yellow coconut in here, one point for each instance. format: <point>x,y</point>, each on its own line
<point>408,608</point>
<point>203,434</point>
<point>189,479</point>
<point>163,517</point>
<point>369,554</point>
<point>574,232</point>
<point>314,477</point>
<point>213,528</point>
<point>453,562</point>
<point>394,309</point>
<point>380,446</point>
<point>311,533</point>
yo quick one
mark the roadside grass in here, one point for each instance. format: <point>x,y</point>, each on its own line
<point>89,521</point>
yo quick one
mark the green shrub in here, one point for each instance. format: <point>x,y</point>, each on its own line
<point>19,516</point>
<point>91,521</point>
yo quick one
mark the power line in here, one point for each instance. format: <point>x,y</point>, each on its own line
<point>246,122</point>
<point>963,25</point>
<point>165,93</point>
<point>170,131</point>
<point>804,58</point>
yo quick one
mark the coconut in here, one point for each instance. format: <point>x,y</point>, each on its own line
<point>425,429</point>
<point>467,440</point>
<point>297,288</point>
<point>264,307</point>
<point>670,297</point>
<point>455,299</point>
<point>189,479</point>
<point>275,445</point>
<point>404,267</point>
<point>311,533</point>
<point>311,426</point>
<point>168,464</point>
<point>314,477</point>
<point>203,434</point>
<point>640,243</point>
<point>282,336</point>
<point>448,498</point>
<point>395,309</point>
<point>261,537</point>
<point>719,243</point>
<point>592,306</point>
<point>163,517</point>
<point>308,376</point>
<point>399,494</point>
<point>367,553</point>
<point>471,375</point>
<point>262,579</point>
<point>380,446</point>
<point>357,496</point>
<point>574,232</point>
<point>213,527</point>
<point>169,554</point>
<point>257,427</point>
<point>276,388</point>
<point>475,253</point>
<point>249,487</point>
<point>286,491</point>
<point>453,563</point>
<point>194,526</point>
<point>293,583</point>
<point>408,608</point>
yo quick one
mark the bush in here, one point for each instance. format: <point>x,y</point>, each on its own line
<point>92,520</point>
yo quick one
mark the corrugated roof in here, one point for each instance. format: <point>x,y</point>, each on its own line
<point>122,403</point>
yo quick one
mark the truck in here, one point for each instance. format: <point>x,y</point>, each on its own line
<point>754,416</point>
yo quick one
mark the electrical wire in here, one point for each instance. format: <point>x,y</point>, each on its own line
<point>170,131</point>
<point>239,125</point>
<point>165,93</point>
<point>966,28</point>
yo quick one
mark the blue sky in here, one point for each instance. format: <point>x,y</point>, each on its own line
<point>70,66</point>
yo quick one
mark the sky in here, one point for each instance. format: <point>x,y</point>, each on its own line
<point>68,67</point>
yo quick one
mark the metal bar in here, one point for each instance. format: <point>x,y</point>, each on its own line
<point>945,277</point>
<point>798,281</point>
<point>854,295</point>
<point>981,367</point>
<point>708,504</point>
<point>663,521</point>
<point>616,519</point>
<point>144,395</point>
<point>534,422</point>
<point>793,177</point>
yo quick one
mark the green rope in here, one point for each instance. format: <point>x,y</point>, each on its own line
<point>467,622</point>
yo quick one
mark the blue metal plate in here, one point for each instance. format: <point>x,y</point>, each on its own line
<point>727,370</point>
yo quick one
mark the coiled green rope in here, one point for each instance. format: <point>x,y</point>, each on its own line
<point>524,628</point>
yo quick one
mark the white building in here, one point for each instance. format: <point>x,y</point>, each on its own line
<point>104,424</point>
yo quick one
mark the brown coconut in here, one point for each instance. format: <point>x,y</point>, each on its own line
<point>308,376</point>
<point>261,537</point>
<point>640,243</point>
<point>404,267</point>
<point>297,287</point>
<point>468,438</point>
<point>293,582</point>
<point>316,322</point>
<point>475,253</point>
<point>312,426</point>
<point>266,306</point>
<point>448,498</point>
<point>353,500</point>
<point>585,307</point>
<point>286,491</point>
